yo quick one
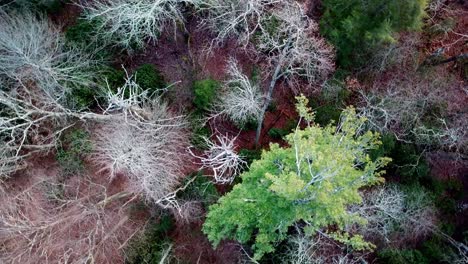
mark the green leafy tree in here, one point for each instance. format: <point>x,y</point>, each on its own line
<point>356,27</point>
<point>313,181</point>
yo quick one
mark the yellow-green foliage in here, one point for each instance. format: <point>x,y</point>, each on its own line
<point>313,180</point>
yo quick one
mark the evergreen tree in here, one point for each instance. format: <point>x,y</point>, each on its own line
<point>356,27</point>
<point>313,181</point>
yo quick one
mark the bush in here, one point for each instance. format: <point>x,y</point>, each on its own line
<point>326,114</point>
<point>205,93</point>
<point>443,27</point>
<point>406,256</point>
<point>50,6</point>
<point>410,164</point>
<point>249,155</point>
<point>82,34</point>
<point>434,249</point>
<point>199,131</point>
<point>74,147</point>
<point>82,97</point>
<point>149,78</point>
<point>278,133</point>
<point>201,189</point>
<point>384,150</point>
<point>334,90</point>
<point>151,246</point>
<point>115,77</point>
<point>247,126</point>
<point>273,106</point>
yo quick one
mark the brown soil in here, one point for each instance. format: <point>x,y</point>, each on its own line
<point>192,246</point>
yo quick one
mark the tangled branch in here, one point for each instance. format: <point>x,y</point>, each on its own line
<point>241,100</point>
<point>131,23</point>
<point>221,159</point>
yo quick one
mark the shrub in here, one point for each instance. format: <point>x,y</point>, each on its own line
<point>50,6</point>
<point>205,93</point>
<point>75,146</point>
<point>406,256</point>
<point>153,244</point>
<point>249,125</point>
<point>249,155</point>
<point>201,189</point>
<point>199,131</point>
<point>435,250</point>
<point>334,90</point>
<point>82,34</point>
<point>443,27</point>
<point>386,148</point>
<point>410,164</point>
<point>149,78</point>
<point>115,77</point>
<point>81,98</point>
<point>326,114</point>
<point>278,133</point>
<point>273,106</point>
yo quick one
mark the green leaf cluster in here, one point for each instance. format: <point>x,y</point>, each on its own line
<point>149,78</point>
<point>205,93</point>
<point>74,147</point>
<point>312,181</point>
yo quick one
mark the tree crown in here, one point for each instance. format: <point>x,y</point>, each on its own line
<point>313,180</point>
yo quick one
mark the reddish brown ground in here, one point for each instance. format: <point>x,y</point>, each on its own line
<point>88,184</point>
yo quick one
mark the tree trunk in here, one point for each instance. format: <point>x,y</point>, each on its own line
<point>267,101</point>
<point>274,79</point>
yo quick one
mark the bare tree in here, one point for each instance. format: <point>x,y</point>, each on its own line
<point>293,44</point>
<point>402,106</point>
<point>241,99</point>
<point>133,22</point>
<point>283,36</point>
<point>37,73</point>
<point>394,216</point>
<point>33,50</point>
<point>318,249</point>
<point>73,224</point>
<point>144,140</point>
<point>239,19</point>
<point>221,159</point>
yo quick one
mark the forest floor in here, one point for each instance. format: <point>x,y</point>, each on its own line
<point>181,58</point>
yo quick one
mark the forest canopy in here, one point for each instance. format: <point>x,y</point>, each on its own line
<point>233,131</point>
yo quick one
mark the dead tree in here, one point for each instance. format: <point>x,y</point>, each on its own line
<point>221,159</point>
<point>241,99</point>
<point>131,23</point>
<point>141,139</point>
<point>32,50</point>
<point>394,216</point>
<point>57,223</point>
<point>293,52</point>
